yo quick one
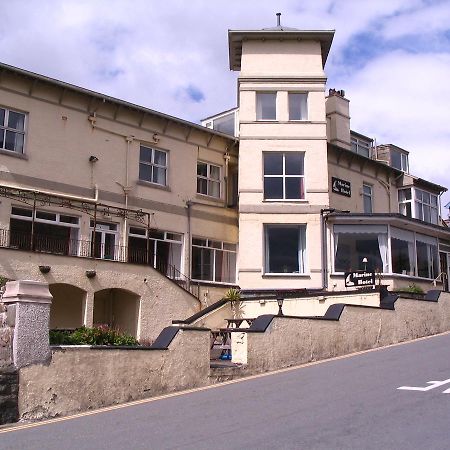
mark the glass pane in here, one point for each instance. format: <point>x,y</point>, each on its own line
<point>174,237</point>
<point>266,106</point>
<point>138,231</point>
<point>426,213</point>
<point>10,140</point>
<point>196,241</point>
<point>153,234</point>
<point>273,188</point>
<point>352,248</point>
<point>214,244</point>
<point>434,216</point>
<point>145,172</point>
<point>419,211</point>
<point>231,247</point>
<point>19,143</point>
<point>283,249</point>
<point>159,175</point>
<point>202,169</point>
<point>433,200</point>
<point>202,263</point>
<point>21,212</point>
<point>214,189</point>
<point>225,124</point>
<point>402,257</point>
<point>426,198</point>
<point>68,219</point>
<point>2,117</point>
<point>146,154</point>
<point>16,120</point>
<point>45,215</point>
<point>294,163</point>
<point>423,263</point>
<point>367,190</point>
<point>294,188</point>
<point>2,138</point>
<point>214,172</point>
<point>273,163</point>
<point>396,160</point>
<point>297,106</point>
<point>110,241</point>
<point>202,186</point>
<point>367,204</point>
<point>225,267</point>
<point>160,158</point>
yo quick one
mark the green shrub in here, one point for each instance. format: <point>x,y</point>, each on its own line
<point>91,336</point>
<point>413,289</point>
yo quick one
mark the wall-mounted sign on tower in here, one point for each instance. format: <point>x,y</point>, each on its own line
<point>341,187</point>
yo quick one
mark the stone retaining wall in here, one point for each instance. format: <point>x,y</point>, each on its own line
<point>358,328</point>
<point>82,378</point>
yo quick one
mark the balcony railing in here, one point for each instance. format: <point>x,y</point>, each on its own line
<point>59,245</point>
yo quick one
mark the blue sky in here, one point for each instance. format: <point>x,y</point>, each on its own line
<point>392,57</point>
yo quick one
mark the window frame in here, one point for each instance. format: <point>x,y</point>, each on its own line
<point>259,109</point>
<point>367,195</point>
<point>284,176</point>
<point>301,250</point>
<point>209,180</point>
<point>415,200</point>
<point>215,246</point>
<point>357,144</point>
<point>4,128</point>
<point>152,164</point>
<point>306,115</point>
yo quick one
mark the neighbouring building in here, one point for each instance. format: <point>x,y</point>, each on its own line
<point>136,218</point>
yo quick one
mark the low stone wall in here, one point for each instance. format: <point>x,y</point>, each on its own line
<point>358,328</point>
<point>82,378</point>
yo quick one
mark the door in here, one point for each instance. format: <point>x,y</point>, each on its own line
<point>445,269</point>
<point>105,240</point>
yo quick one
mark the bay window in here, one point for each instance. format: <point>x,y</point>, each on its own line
<point>353,243</point>
<point>427,256</point>
<point>402,252</point>
<point>285,249</point>
<point>418,204</point>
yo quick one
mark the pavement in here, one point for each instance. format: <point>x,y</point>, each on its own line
<point>347,403</point>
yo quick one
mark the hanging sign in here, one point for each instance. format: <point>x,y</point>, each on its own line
<point>359,278</point>
<point>341,187</point>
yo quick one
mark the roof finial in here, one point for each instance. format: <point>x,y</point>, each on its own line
<point>278,19</point>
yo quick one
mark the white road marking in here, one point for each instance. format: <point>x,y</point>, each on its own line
<point>433,385</point>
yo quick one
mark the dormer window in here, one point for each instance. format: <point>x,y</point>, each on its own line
<point>399,160</point>
<point>361,146</point>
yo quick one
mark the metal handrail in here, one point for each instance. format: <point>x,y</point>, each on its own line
<point>60,245</point>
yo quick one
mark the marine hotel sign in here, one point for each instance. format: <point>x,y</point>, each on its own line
<point>341,187</point>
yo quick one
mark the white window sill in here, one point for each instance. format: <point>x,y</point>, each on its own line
<point>288,275</point>
<point>285,200</point>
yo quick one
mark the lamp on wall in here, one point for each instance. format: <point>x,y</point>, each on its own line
<point>44,269</point>
<point>280,301</point>
<point>91,273</point>
<point>364,261</point>
<point>93,159</point>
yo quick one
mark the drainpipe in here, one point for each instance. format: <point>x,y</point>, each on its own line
<point>189,239</point>
<point>226,157</point>
<point>324,254</point>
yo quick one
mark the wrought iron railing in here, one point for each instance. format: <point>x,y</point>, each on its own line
<point>60,245</point>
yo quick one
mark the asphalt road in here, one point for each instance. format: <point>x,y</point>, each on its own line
<point>350,403</point>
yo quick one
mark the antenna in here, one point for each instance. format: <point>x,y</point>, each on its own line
<point>278,19</point>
